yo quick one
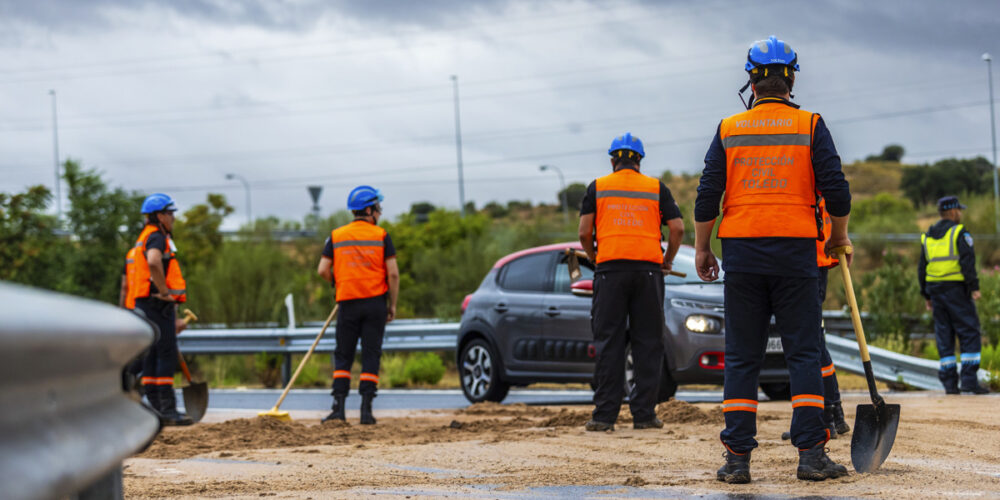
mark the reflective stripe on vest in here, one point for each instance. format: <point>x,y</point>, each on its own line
<point>770,185</point>
<point>821,258</point>
<point>359,261</point>
<point>628,217</point>
<point>137,277</point>
<point>942,256</point>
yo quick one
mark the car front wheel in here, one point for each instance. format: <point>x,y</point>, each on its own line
<point>480,373</point>
<point>667,388</point>
<point>777,391</point>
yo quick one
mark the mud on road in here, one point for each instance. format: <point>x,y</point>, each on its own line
<point>946,446</point>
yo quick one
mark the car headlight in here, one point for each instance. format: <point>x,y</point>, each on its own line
<point>699,323</point>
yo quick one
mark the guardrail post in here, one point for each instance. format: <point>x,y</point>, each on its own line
<point>286,369</point>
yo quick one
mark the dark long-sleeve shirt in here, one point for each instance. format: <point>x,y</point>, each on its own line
<point>966,258</point>
<point>794,257</point>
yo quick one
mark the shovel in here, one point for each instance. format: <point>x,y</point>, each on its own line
<point>875,425</point>
<point>195,393</point>
<point>283,415</point>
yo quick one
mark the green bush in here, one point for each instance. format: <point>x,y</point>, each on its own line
<point>393,370</point>
<point>424,367</point>
<point>888,293</point>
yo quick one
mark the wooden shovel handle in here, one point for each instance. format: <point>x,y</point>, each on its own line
<point>852,302</point>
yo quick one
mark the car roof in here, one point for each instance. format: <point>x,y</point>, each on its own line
<point>544,248</point>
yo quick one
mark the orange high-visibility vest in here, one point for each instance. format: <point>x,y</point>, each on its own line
<point>137,276</point>
<point>359,261</point>
<point>770,186</point>
<point>628,217</point>
<point>821,259</point>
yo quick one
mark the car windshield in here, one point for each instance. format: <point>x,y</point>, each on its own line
<point>684,263</point>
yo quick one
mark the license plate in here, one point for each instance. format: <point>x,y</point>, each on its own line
<point>774,345</point>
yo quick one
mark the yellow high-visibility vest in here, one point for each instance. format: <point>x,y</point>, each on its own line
<point>942,256</point>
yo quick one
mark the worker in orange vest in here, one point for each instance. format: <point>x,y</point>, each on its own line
<point>360,261</point>
<point>623,213</point>
<point>154,287</point>
<point>770,161</point>
<point>833,414</point>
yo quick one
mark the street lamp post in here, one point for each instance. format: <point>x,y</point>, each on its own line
<point>562,182</point>
<point>55,156</point>
<point>993,136</point>
<point>246,186</point>
<point>458,147</point>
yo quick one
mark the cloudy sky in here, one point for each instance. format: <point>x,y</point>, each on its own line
<point>173,95</point>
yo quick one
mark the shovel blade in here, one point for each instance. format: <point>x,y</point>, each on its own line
<point>196,400</point>
<point>874,434</point>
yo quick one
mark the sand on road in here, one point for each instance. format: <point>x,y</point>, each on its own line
<point>946,447</point>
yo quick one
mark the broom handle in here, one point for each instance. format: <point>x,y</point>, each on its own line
<point>859,330</point>
<point>306,358</point>
<point>184,366</point>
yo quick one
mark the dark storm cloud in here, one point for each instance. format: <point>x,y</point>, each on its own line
<point>892,25</point>
<point>81,16</point>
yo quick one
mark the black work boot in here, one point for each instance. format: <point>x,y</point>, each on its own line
<point>837,410</point>
<point>598,426</point>
<point>736,470</point>
<point>168,407</point>
<point>366,410</point>
<point>949,379</point>
<point>153,396</point>
<point>655,423</point>
<point>976,389</point>
<point>338,410</point>
<point>815,465</point>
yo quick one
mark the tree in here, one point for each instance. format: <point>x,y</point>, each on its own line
<point>104,223</point>
<point>30,252</point>
<point>197,233</point>
<point>892,153</point>
<point>950,176</point>
<point>574,195</point>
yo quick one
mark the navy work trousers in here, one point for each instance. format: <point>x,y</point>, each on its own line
<point>751,299</point>
<point>831,389</point>
<point>359,319</point>
<point>955,315</point>
<point>161,361</point>
<point>627,309</point>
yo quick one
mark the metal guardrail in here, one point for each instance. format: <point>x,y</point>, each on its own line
<point>66,424</point>
<point>400,335</point>
<point>427,335</point>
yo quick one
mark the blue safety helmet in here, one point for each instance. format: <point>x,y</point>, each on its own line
<point>626,142</point>
<point>363,196</point>
<point>767,52</point>
<point>158,202</point>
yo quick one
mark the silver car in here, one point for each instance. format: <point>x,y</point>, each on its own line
<point>529,322</point>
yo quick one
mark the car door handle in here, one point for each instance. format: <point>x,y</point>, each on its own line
<point>552,311</point>
<point>501,307</point>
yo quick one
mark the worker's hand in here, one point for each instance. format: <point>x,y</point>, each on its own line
<point>976,295</point>
<point>667,265</point>
<point>839,242</point>
<point>180,325</point>
<point>706,265</point>
<point>166,297</point>
<point>927,304</point>
<point>391,315</point>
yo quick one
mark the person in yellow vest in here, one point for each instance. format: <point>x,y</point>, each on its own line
<point>948,281</point>
<point>622,213</point>
<point>154,287</point>
<point>770,162</point>
<point>360,261</point>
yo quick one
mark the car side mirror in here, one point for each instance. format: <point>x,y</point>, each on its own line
<point>583,288</point>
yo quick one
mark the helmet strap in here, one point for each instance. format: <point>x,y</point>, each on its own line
<point>743,89</point>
